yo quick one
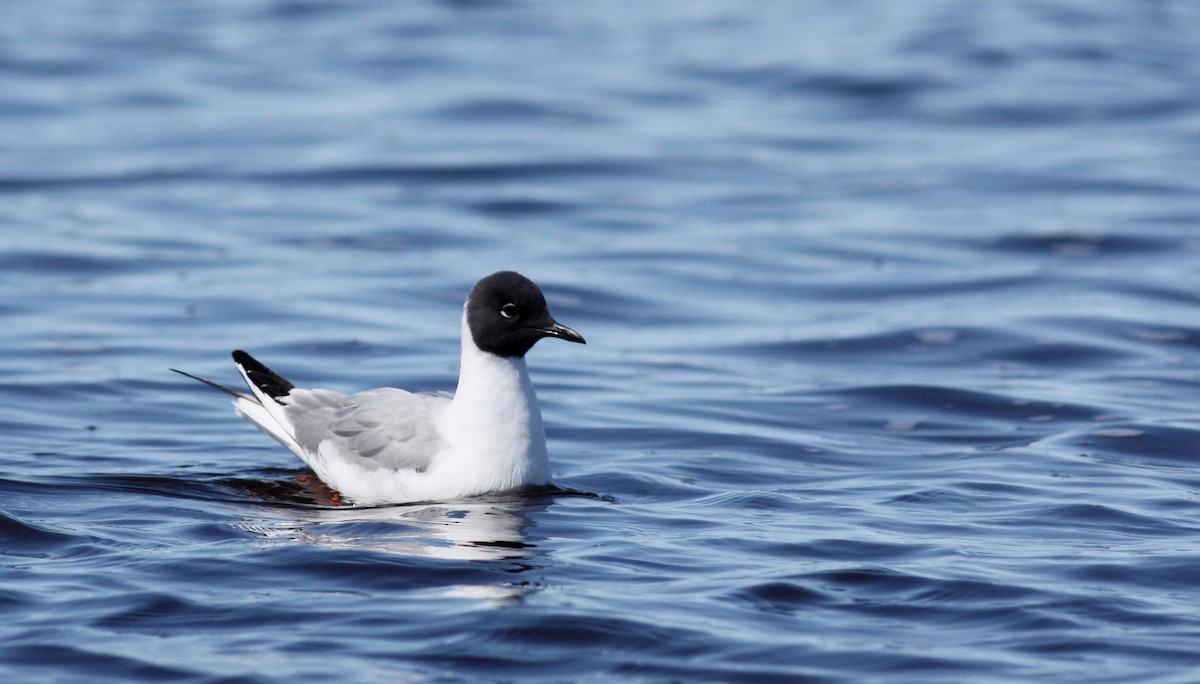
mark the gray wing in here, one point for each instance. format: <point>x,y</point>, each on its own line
<point>380,428</point>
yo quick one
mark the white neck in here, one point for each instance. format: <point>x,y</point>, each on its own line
<point>494,425</point>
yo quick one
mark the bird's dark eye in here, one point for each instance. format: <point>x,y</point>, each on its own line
<point>509,311</point>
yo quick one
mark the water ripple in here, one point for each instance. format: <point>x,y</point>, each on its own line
<point>891,363</point>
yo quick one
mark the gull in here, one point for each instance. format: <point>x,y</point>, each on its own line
<point>387,445</point>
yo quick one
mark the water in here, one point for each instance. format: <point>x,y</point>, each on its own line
<point>893,363</point>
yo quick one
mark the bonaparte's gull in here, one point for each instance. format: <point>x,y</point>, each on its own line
<point>391,446</point>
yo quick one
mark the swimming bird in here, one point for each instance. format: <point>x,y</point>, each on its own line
<point>387,445</point>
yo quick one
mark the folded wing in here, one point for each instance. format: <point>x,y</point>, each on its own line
<point>381,428</point>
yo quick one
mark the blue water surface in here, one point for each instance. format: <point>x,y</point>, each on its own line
<point>893,369</point>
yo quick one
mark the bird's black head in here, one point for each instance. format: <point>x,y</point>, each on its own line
<point>507,314</point>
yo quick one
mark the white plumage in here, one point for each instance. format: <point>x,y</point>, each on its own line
<point>391,446</point>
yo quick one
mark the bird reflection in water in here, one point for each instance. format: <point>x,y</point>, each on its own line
<point>488,528</point>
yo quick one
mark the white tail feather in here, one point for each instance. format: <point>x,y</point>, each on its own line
<point>258,414</point>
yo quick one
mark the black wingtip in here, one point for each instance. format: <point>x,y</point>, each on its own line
<point>262,377</point>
